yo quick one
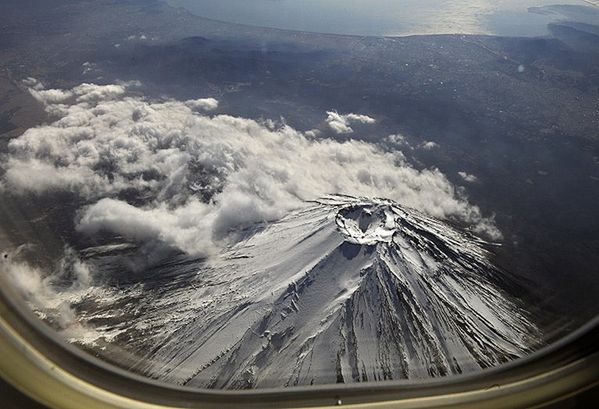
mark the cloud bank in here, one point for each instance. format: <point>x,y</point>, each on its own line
<point>199,177</point>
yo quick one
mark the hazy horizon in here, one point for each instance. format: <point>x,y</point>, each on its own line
<point>384,17</point>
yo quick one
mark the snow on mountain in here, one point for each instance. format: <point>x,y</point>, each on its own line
<point>343,290</point>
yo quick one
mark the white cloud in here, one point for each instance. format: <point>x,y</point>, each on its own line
<point>397,139</point>
<point>53,291</point>
<point>312,133</point>
<point>88,67</point>
<point>129,84</point>
<point>40,289</point>
<point>82,93</point>
<point>94,93</point>
<point>202,104</point>
<point>468,177</point>
<point>38,176</point>
<point>51,96</point>
<point>33,83</point>
<point>203,176</point>
<point>183,227</point>
<point>140,37</point>
<point>340,124</point>
<point>428,145</point>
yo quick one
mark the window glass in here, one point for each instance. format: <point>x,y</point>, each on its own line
<point>252,194</point>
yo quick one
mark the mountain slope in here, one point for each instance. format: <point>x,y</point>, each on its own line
<point>347,289</point>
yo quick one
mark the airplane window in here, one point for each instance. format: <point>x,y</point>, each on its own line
<point>246,195</point>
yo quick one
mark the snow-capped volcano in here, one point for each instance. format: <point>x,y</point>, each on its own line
<point>344,290</point>
<point>341,289</point>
